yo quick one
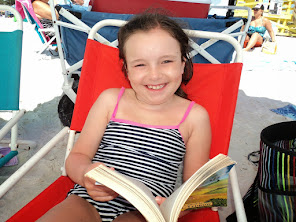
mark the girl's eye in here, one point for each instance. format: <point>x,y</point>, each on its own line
<point>167,61</point>
<point>139,65</point>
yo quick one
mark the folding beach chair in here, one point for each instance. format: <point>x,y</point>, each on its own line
<point>46,35</point>
<point>75,24</point>
<point>10,70</point>
<point>214,86</point>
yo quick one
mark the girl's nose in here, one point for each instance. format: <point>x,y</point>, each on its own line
<point>155,72</point>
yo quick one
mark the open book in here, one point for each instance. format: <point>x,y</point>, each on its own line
<point>207,187</point>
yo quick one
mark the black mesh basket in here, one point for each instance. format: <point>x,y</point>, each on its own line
<point>277,173</point>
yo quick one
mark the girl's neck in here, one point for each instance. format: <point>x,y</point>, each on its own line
<point>154,107</point>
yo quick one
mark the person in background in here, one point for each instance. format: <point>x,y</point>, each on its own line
<point>42,8</point>
<point>257,29</point>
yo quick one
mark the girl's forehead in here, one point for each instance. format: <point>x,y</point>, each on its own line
<point>156,35</point>
<point>150,46</point>
<point>153,43</point>
<point>155,30</point>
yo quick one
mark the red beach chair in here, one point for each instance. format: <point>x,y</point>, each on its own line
<point>214,86</point>
<point>190,9</point>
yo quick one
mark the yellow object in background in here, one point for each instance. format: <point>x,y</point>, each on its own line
<point>294,13</point>
<point>269,47</point>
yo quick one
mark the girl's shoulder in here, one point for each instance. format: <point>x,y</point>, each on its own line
<point>195,107</point>
<point>110,93</point>
<point>108,97</point>
<point>198,112</point>
<point>196,121</point>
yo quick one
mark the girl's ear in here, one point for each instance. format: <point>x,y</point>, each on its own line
<point>124,67</point>
<point>184,60</point>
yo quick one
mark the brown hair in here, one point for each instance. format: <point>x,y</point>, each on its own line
<point>148,21</point>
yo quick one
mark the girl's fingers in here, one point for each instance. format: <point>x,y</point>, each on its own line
<point>104,199</point>
<point>102,196</point>
<point>160,200</point>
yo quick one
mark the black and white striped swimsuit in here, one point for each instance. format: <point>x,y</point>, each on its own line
<point>151,154</point>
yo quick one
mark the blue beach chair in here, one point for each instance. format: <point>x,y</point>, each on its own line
<point>10,59</point>
<point>74,25</point>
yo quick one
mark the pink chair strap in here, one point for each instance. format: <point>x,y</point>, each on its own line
<point>28,5</point>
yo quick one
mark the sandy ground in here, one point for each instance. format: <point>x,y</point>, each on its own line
<point>267,82</point>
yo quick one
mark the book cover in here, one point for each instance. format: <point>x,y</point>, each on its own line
<point>211,193</point>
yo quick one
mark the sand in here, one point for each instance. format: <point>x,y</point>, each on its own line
<point>267,82</point>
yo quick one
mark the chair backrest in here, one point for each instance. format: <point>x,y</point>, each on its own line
<point>19,6</point>
<point>74,41</point>
<point>10,63</point>
<point>214,86</point>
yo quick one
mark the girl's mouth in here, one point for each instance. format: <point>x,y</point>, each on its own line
<point>155,87</point>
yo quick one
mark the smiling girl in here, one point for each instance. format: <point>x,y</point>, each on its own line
<point>145,132</point>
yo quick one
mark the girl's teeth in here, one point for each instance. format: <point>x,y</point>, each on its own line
<point>156,87</point>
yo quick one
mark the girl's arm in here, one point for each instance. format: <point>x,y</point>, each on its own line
<point>197,146</point>
<point>199,141</point>
<point>80,158</point>
<point>268,26</point>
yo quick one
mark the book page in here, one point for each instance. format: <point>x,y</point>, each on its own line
<point>173,205</point>
<point>137,193</point>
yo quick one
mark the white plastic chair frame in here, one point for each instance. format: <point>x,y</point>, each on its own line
<point>12,125</point>
<point>213,36</point>
<point>44,150</point>
<point>243,32</point>
<point>80,26</point>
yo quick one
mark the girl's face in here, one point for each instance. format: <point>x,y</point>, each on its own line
<point>154,65</point>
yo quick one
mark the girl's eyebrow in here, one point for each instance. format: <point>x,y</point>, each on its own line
<point>136,60</point>
<point>170,56</point>
<point>161,57</point>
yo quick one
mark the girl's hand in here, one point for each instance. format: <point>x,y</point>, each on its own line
<point>160,200</point>
<point>98,192</point>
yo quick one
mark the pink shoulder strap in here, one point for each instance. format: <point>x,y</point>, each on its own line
<point>187,112</point>
<point>118,99</point>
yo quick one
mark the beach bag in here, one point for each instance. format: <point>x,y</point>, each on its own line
<point>277,176</point>
<point>269,47</point>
